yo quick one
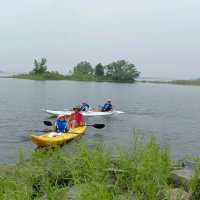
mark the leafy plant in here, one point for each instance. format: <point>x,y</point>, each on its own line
<point>40,67</point>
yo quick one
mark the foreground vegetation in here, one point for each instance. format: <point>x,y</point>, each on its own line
<point>119,71</point>
<point>142,172</point>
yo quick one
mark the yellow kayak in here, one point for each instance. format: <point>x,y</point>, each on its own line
<point>46,140</point>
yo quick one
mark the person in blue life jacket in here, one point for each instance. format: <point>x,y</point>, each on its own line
<point>61,124</point>
<point>107,106</point>
<point>84,107</point>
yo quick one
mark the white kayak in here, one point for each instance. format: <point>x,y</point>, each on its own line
<point>86,113</point>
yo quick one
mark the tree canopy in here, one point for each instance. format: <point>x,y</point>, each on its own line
<point>40,67</point>
<point>99,70</point>
<point>83,67</point>
<point>121,70</point>
<point>118,71</point>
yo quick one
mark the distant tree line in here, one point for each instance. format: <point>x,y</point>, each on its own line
<point>117,71</point>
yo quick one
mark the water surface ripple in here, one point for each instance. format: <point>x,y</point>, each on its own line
<point>172,112</point>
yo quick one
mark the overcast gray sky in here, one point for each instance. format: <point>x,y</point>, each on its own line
<point>161,37</point>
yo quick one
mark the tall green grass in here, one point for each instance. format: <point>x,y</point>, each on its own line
<point>186,82</point>
<point>141,172</point>
<point>195,82</point>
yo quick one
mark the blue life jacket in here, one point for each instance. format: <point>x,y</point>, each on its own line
<point>107,107</point>
<point>61,126</point>
<point>84,107</point>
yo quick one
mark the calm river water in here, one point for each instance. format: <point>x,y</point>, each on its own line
<point>171,112</point>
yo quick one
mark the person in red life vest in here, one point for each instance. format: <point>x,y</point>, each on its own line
<point>76,118</point>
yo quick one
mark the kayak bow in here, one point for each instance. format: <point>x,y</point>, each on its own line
<point>87,114</point>
<point>45,140</point>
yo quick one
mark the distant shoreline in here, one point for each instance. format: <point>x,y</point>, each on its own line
<point>175,82</point>
<point>60,77</point>
<point>71,78</point>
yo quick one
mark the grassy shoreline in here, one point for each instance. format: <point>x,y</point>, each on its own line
<point>186,82</point>
<point>141,172</point>
<point>175,82</point>
<point>94,79</point>
<point>46,77</point>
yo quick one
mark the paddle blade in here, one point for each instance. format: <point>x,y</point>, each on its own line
<point>48,123</point>
<point>99,126</point>
<point>38,131</point>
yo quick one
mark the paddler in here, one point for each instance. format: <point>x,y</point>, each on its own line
<point>61,124</point>
<point>107,106</point>
<point>76,119</point>
<point>84,106</point>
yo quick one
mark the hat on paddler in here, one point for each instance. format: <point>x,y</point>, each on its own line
<point>76,107</point>
<point>61,116</point>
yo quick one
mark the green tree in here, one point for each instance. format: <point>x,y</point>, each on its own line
<point>99,70</point>
<point>83,67</point>
<point>122,71</point>
<point>40,67</point>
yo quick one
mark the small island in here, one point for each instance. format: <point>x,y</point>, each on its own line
<point>118,71</point>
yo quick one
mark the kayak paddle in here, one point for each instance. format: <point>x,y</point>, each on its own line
<point>48,123</point>
<point>38,131</point>
<point>98,126</point>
